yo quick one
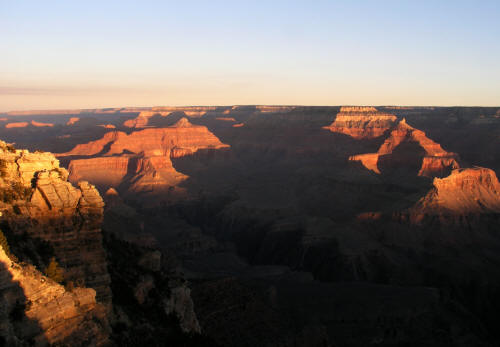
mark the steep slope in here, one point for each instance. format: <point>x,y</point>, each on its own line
<point>142,120</point>
<point>35,308</point>
<point>436,162</point>
<point>466,191</point>
<point>140,161</point>
<point>38,202</point>
<point>361,122</point>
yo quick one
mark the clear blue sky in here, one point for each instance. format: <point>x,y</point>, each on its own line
<point>75,54</point>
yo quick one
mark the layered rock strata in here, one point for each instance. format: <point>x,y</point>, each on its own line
<point>37,309</point>
<point>464,192</point>
<point>39,202</point>
<point>141,160</point>
<point>436,163</point>
<point>361,122</point>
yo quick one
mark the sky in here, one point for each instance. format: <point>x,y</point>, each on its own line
<point>91,54</point>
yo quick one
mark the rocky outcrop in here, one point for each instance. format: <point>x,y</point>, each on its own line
<point>436,163</point>
<point>140,161</point>
<point>35,308</point>
<point>142,119</point>
<point>41,124</point>
<point>273,109</point>
<point>105,171</point>
<point>361,122</point>
<point>40,203</point>
<point>226,119</point>
<point>464,192</point>
<point>16,125</point>
<point>72,120</point>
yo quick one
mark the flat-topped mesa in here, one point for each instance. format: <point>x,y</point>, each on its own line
<point>41,124</point>
<point>466,191</point>
<point>361,122</point>
<point>16,125</point>
<point>356,109</point>
<point>39,201</point>
<point>436,163</point>
<point>273,109</point>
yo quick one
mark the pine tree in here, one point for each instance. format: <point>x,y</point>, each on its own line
<point>54,271</point>
<point>4,244</point>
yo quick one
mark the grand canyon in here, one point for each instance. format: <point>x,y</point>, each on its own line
<point>251,226</point>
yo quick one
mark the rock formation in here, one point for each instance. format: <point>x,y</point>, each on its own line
<point>361,122</point>
<point>38,201</point>
<point>142,119</point>
<point>16,125</point>
<point>41,124</point>
<point>142,159</point>
<point>436,162</point>
<point>72,120</point>
<point>464,192</point>
<point>37,309</point>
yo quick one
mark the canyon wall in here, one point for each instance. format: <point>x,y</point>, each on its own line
<point>361,122</point>
<point>37,309</point>
<point>40,203</point>
<point>436,163</point>
<point>140,161</point>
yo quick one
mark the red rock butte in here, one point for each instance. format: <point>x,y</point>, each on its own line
<point>466,191</point>
<point>436,162</point>
<point>361,122</point>
<point>143,157</point>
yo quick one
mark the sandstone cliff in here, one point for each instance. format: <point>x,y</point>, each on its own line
<point>464,192</point>
<point>436,162</point>
<point>36,309</point>
<point>39,203</point>
<point>361,122</point>
<point>140,161</point>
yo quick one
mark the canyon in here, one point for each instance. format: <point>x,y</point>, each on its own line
<point>271,221</point>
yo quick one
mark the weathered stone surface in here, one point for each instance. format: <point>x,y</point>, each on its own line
<point>436,163</point>
<point>466,191</point>
<point>48,207</point>
<point>51,315</point>
<point>361,122</point>
<point>142,159</point>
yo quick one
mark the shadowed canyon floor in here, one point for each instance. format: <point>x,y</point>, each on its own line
<point>274,225</point>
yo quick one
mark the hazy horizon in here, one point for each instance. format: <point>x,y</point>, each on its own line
<point>82,55</point>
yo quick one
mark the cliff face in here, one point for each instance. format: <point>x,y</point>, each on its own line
<point>140,161</point>
<point>464,192</point>
<point>142,119</point>
<point>40,203</point>
<point>361,122</point>
<point>436,163</point>
<point>34,308</point>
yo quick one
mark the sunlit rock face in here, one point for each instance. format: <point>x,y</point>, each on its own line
<point>144,117</point>
<point>361,122</point>
<point>72,120</point>
<point>39,202</point>
<point>466,191</point>
<point>436,161</point>
<point>141,160</point>
<point>52,315</point>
